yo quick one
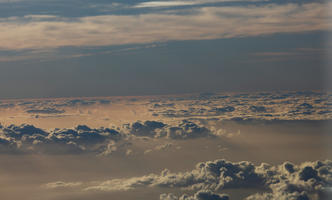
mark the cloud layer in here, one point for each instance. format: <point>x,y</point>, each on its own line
<point>281,105</point>
<point>40,32</point>
<point>307,105</point>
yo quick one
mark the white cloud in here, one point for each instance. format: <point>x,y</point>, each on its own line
<point>155,4</point>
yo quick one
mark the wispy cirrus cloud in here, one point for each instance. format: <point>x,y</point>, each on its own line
<point>303,53</point>
<point>292,52</point>
<point>49,54</point>
<point>155,4</point>
<point>205,23</point>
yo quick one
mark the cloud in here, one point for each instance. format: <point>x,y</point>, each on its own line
<point>6,105</point>
<point>200,195</point>
<point>184,130</point>
<point>285,105</point>
<point>156,4</point>
<point>146,129</point>
<point>162,147</point>
<point>61,184</point>
<point>76,102</point>
<point>101,141</point>
<point>204,23</point>
<point>291,54</point>
<point>285,181</point>
<point>257,108</point>
<point>45,111</point>
<point>27,138</point>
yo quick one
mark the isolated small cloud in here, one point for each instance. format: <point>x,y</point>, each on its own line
<point>61,184</point>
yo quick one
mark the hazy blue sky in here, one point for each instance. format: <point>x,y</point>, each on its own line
<point>51,48</point>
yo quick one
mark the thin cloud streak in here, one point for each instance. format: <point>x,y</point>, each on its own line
<point>156,4</point>
<point>293,52</point>
<point>43,55</point>
<point>205,23</point>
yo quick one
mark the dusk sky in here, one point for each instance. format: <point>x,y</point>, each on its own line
<point>166,99</point>
<point>63,48</point>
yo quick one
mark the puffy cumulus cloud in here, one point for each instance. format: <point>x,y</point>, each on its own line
<point>184,130</point>
<point>309,180</point>
<point>200,195</point>
<point>102,141</point>
<point>27,138</point>
<point>198,24</point>
<point>148,128</point>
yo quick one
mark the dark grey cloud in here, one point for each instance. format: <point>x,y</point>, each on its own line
<point>45,111</point>
<point>76,102</point>
<point>257,108</point>
<point>184,130</point>
<point>83,139</point>
<point>146,129</point>
<point>52,106</point>
<point>29,139</point>
<point>6,105</point>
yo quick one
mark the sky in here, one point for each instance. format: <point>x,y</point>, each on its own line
<point>239,88</point>
<point>57,48</point>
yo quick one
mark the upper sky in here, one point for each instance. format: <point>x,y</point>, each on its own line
<point>55,48</point>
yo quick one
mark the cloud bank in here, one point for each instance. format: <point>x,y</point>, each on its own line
<point>102,141</point>
<point>308,180</point>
